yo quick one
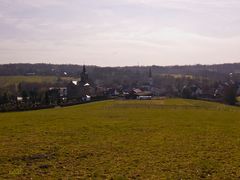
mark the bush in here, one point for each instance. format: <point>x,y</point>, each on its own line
<point>230,93</point>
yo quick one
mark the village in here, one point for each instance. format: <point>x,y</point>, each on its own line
<point>83,90</point>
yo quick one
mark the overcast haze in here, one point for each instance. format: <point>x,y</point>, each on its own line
<point>120,32</point>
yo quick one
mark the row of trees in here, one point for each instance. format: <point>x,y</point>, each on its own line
<point>224,92</point>
<point>28,96</point>
<point>111,74</point>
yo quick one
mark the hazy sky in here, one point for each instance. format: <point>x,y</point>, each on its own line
<point>120,32</point>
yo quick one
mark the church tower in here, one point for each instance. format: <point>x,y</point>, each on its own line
<point>84,75</point>
<point>150,79</point>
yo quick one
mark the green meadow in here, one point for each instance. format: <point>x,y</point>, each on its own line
<point>158,139</point>
<point>6,81</point>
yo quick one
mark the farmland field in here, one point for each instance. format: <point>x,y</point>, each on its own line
<point>158,139</point>
<point>14,80</point>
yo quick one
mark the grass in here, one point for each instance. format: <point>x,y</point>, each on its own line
<point>6,81</point>
<point>238,98</point>
<point>158,139</point>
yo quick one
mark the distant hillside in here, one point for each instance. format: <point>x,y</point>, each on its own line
<point>120,74</point>
<point>52,69</point>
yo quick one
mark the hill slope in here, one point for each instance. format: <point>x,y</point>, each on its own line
<point>171,138</point>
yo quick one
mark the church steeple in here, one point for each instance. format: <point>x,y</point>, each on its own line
<point>150,79</point>
<point>150,73</point>
<point>84,75</point>
<point>84,69</point>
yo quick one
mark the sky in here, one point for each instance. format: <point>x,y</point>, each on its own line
<point>120,32</point>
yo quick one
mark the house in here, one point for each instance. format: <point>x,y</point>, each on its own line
<point>99,91</point>
<point>112,92</point>
<point>135,93</point>
<point>219,91</point>
<point>62,91</point>
<point>159,91</point>
<point>191,91</point>
<point>196,91</point>
<point>86,98</point>
<point>55,95</point>
<point>19,99</point>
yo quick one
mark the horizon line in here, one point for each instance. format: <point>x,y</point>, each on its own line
<point>215,64</point>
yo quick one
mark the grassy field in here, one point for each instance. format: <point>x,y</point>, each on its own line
<point>159,139</point>
<point>238,98</point>
<point>13,80</point>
